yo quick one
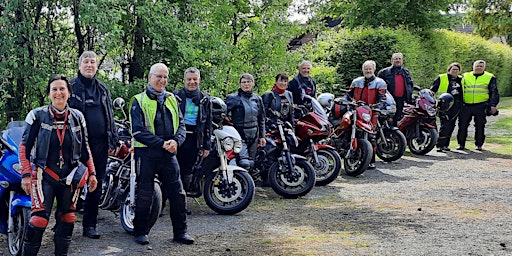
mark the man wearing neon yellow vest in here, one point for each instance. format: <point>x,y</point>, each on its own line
<point>158,129</point>
<point>480,92</point>
<point>449,82</point>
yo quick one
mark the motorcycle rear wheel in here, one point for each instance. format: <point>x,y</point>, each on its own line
<point>15,238</point>
<point>425,142</point>
<point>357,162</point>
<point>395,147</point>
<point>127,212</point>
<point>328,167</point>
<point>288,186</point>
<point>228,199</point>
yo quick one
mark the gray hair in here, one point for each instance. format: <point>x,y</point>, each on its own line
<point>305,62</point>
<point>87,54</point>
<point>192,70</point>
<point>479,62</point>
<point>369,62</point>
<point>246,76</point>
<point>153,68</point>
<point>397,53</point>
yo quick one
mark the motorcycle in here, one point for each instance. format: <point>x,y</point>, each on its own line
<point>419,122</point>
<point>15,205</point>
<point>352,122</point>
<point>227,189</point>
<point>310,129</point>
<point>118,189</point>
<point>391,142</point>
<point>289,175</point>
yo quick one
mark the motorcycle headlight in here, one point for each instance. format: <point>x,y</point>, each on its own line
<point>366,117</point>
<point>237,148</point>
<point>228,144</point>
<point>431,111</point>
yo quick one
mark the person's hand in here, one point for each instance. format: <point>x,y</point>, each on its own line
<point>26,184</point>
<point>205,153</point>
<point>171,146</point>
<point>493,110</point>
<point>263,142</point>
<point>93,183</point>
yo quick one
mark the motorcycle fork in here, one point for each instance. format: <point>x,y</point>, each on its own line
<point>353,139</point>
<point>10,222</point>
<point>133,176</point>
<point>286,150</point>
<point>381,133</point>
<point>313,151</point>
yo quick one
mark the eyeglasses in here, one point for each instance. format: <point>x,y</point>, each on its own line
<point>245,81</point>
<point>161,77</point>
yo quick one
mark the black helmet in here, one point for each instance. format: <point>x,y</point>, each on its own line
<point>445,102</point>
<point>219,109</point>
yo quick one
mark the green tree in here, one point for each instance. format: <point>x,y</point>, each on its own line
<point>491,17</point>
<point>408,14</point>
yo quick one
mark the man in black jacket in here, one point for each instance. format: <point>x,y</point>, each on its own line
<point>302,84</point>
<point>197,114</point>
<point>93,99</point>
<point>399,82</point>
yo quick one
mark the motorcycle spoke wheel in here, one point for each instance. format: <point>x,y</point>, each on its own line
<point>231,198</point>
<point>20,223</point>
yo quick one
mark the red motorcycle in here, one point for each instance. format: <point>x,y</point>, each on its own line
<point>310,129</point>
<point>419,122</point>
<point>352,122</point>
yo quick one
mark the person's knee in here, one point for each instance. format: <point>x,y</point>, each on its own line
<point>69,217</point>
<point>38,221</point>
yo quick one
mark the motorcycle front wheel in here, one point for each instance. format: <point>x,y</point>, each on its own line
<point>328,166</point>
<point>424,142</point>
<point>127,211</point>
<point>15,238</point>
<point>392,146</point>
<point>355,163</point>
<point>228,198</point>
<point>292,184</point>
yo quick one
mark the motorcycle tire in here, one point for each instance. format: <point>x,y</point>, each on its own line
<point>15,238</point>
<point>358,162</point>
<point>395,147</point>
<point>127,212</point>
<point>228,199</point>
<point>328,167</point>
<point>288,186</point>
<point>425,142</point>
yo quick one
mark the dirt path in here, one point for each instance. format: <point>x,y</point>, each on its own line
<point>455,203</point>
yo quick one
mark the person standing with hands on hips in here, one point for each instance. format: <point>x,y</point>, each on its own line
<point>480,96</point>
<point>93,99</point>
<point>59,135</point>
<point>158,130</point>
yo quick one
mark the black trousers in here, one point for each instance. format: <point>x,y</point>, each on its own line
<point>187,154</point>
<point>468,112</point>
<point>399,110</point>
<point>166,166</point>
<point>447,126</point>
<point>99,151</point>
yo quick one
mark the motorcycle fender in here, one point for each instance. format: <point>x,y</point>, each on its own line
<point>20,201</point>
<point>295,156</point>
<point>316,147</point>
<point>230,170</point>
<point>429,125</point>
<point>392,128</point>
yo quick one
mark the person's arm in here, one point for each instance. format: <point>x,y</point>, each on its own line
<point>293,87</point>
<point>261,119</point>
<point>435,84</point>
<point>86,155</point>
<point>208,126</point>
<point>181,131</point>
<point>139,130</point>
<point>28,139</point>
<point>494,96</point>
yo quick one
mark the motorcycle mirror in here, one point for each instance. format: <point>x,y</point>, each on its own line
<point>119,103</point>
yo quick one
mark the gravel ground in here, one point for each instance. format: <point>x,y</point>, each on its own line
<point>454,203</point>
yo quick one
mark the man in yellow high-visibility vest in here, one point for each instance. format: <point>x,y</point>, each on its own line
<point>480,92</point>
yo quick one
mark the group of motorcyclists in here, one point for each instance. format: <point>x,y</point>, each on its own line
<point>171,133</point>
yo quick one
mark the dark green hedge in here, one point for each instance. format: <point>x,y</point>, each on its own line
<point>425,55</point>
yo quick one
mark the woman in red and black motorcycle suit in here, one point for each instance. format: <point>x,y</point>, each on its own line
<point>63,164</point>
<point>371,90</point>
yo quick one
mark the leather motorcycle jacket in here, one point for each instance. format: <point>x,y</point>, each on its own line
<point>272,101</point>
<point>204,118</point>
<point>247,114</point>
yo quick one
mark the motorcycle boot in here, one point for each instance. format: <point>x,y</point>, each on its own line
<point>32,240</point>
<point>62,237</point>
